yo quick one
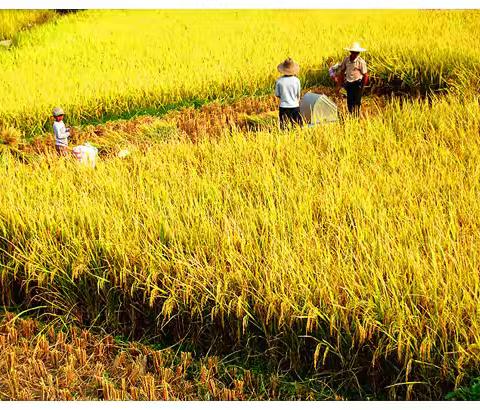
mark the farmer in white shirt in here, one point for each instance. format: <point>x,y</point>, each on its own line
<point>61,132</point>
<point>287,89</point>
<point>353,76</point>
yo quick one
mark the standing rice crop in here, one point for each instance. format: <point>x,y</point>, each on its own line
<point>360,236</point>
<point>104,65</point>
<point>13,21</point>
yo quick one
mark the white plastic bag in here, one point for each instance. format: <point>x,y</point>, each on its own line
<point>86,154</point>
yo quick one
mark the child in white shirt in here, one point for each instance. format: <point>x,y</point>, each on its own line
<point>61,132</point>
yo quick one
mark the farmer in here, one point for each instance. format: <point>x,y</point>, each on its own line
<point>287,89</point>
<point>353,76</point>
<point>61,132</point>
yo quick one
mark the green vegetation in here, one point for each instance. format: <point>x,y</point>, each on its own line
<point>466,393</point>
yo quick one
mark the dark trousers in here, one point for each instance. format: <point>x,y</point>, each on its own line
<point>290,116</point>
<point>354,96</point>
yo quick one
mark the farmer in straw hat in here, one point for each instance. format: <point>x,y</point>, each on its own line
<point>61,132</point>
<point>353,76</point>
<point>287,89</point>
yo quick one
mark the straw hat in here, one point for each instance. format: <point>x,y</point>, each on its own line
<point>57,111</point>
<point>356,48</point>
<point>289,67</point>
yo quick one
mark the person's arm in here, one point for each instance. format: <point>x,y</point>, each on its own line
<point>65,133</point>
<point>364,73</point>
<point>277,91</point>
<point>365,79</point>
<point>299,89</point>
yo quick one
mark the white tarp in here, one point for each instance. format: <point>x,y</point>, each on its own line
<point>318,108</point>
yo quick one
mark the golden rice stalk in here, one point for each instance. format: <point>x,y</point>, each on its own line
<point>148,387</point>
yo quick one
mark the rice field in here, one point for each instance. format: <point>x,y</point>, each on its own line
<point>347,252</point>
<point>99,63</point>
<point>13,21</point>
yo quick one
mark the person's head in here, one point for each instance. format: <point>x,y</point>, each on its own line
<point>288,67</point>
<point>354,55</point>
<point>58,114</point>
